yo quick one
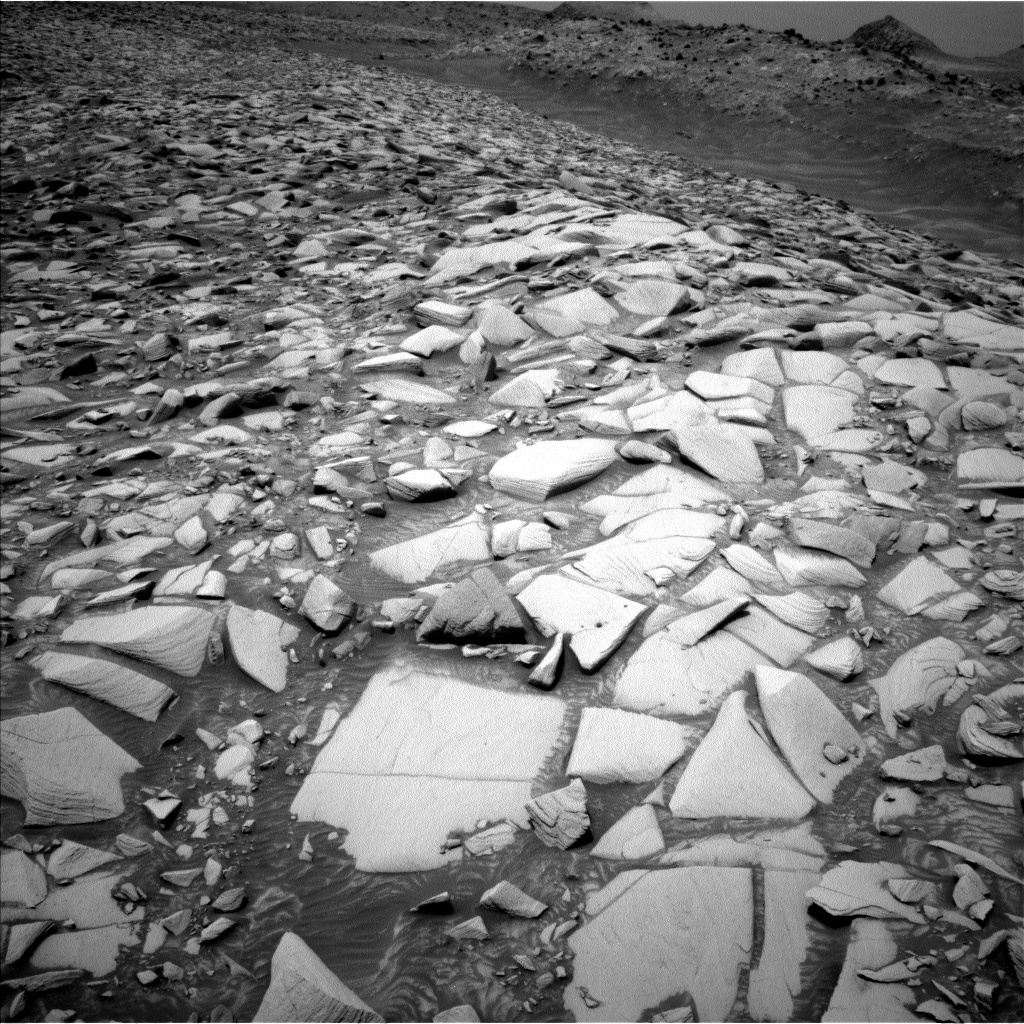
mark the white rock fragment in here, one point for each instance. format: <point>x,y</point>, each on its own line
<point>620,746</point>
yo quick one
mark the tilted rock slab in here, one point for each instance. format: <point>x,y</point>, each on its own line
<point>656,934</point>
<point>62,768</point>
<point>257,641</point>
<point>171,636</point>
<point>422,755</point>
<point>302,988</point>
<point>478,610</point>
<point>131,691</point>
<point>415,560</point>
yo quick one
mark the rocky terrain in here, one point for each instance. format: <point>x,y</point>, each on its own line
<point>884,119</point>
<point>458,567</point>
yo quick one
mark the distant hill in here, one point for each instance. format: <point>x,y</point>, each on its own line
<point>627,11</point>
<point>890,35</point>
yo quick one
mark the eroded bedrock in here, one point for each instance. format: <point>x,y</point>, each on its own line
<point>422,755</point>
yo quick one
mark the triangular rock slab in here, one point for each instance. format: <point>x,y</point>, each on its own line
<point>723,450</point>
<point>635,836</point>
<point>657,934</point>
<point>478,610</point>
<point>804,723</point>
<point>664,678</point>
<point>424,754</point>
<point>597,620</point>
<point>62,768</point>
<point>171,636</point>
<point>124,688</point>
<point>303,988</point>
<point>733,773</point>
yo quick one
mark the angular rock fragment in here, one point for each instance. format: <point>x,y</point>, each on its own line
<point>854,889</point>
<point>635,836</point>
<point>919,678</point>
<point>511,900</point>
<point>325,604</point>
<point>414,561</point>
<point>258,641</point>
<point>858,998</point>
<point>842,659</point>
<point>549,467</point>
<point>559,818</point>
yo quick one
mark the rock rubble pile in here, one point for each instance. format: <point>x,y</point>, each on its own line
<point>452,478</point>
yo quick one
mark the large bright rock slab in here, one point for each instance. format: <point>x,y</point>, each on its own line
<point>62,768</point>
<point>657,934</point>
<point>258,643</point>
<point>422,755</point>
<point>620,746</point>
<point>415,560</point>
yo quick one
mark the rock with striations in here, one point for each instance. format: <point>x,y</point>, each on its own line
<point>124,688</point>
<point>302,988</point>
<point>723,450</point>
<point>535,472</point>
<point>813,533</point>
<point>258,643</point>
<point>420,485</point>
<point>171,636</point>
<point>917,680</point>
<point>559,818</point>
<point>62,768</point>
<point>476,610</point>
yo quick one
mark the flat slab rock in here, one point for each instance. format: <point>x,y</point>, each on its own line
<point>421,755</point>
<point>62,768</point>
<point>415,560</point>
<point>303,988</point>
<point>657,934</point>
<point>476,610</point>
<point>854,998</point>
<point>258,641</point>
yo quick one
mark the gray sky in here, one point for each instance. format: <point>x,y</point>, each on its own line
<point>971,29</point>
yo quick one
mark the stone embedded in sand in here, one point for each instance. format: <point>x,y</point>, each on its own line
<point>396,389</point>
<point>393,362</point>
<point>856,998</point>
<point>476,610</point>
<point>302,988</point>
<point>804,722</point>
<point>62,768</point>
<point>258,641</point>
<point>664,678</point>
<point>596,620</point>
<point>535,472</point>
<point>620,746</point>
<point>413,561</point>
<point>172,636</point>
<point>560,817</point>
<point>107,681</point>
<point>813,533</point>
<point>918,679</point>
<point>925,765</point>
<point>635,836</point>
<point>422,755</point>
<point>655,934</point>
<point>856,889</point>
<point>910,373</point>
<point>326,605</point>
<point>511,900</point>
<point>716,782</point>
<point>654,297</point>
